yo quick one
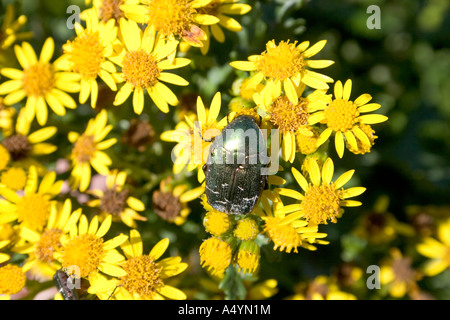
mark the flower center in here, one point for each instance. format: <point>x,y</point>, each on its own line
<point>321,203</point>
<point>284,236</point>
<point>139,135</point>
<point>14,178</point>
<point>85,252</point>
<point>170,16</point>
<point>402,270</point>
<point>12,279</point>
<point>113,202</point>
<point>84,148</point>
<point>143,276</point>
<point>281,62</point>
<point>18,146</point>
<point>375,223</point>
<point>140,69</point>
<point>33,210</point>
<point>38,79</point>
<point>216,222</point>
<point>110,9</point>
<point>288,117</point>
<point>215,254</point>
<point>166,205</point>
<point>341,115</point>
<point>246,229</point>
<point>87,55</point>
<point>48,243</point>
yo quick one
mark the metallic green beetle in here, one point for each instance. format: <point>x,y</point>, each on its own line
<point>234,170</point>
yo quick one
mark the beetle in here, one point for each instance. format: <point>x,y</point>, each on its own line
<point>234,179</point>
<point>67,291</point>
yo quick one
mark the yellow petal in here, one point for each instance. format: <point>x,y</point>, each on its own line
<point>339,143</point>
<point>159,249</point>
<point>172,293</point>
<point>47,51</point>
<point>363,99</point>
<point>328,171</point>
<point>313,50</point>
<point>347,90</point>
<point>243,65</point>
<point>344,178</point>
<point>372,118</point>
<point>104,227</point>
<point>300,179</point>
<point>172,78</point>
<point>42,134</point>
<point>215,108</point>
<point>115,242</point>
<point>291,91</point>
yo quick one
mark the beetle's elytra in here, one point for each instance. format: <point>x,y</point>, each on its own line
<point>234,179</point>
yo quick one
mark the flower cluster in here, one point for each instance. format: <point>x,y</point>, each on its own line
<point>105,137</point>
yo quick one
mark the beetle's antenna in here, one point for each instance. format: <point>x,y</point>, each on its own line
<point>200,134</point>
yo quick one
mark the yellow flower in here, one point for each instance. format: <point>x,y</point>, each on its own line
<point>116,200</point>
<point>39,82</point>
<point>216,222</point>
<point>291,119</point>
<point>288,231</point>
<point>220,9</point>
<point>436,250</point>
<point>87,55</point>
<point>84,252</point>
<point>143,60</point>
<point>398,274</point>
<point>379,227</point>
<point>145,278</point>
<point>263,290</point>
<point>22,144</point>
<point>282,67</point>
<point>246,229</point>
<point>320,288</point>
<point>323,198</point>
<point>247,257</point>
<point>216,255</point>
<point>40,246</point>
<point>33,208</point>
<point>173,18</point>
<point>343,117</point>
<point>12,280</point>
<point>170,201</point>
<point>194,137</point>
<point>87,150</point>
<point>9,28</point>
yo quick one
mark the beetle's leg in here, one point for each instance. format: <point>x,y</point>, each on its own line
<point>200,134</point>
